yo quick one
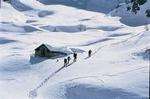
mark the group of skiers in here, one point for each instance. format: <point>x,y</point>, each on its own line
<point>67,60</point>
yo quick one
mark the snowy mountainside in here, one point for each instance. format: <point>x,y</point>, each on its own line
<point>93,5</point>
<point>114,7</point>
<point>130,18</point>
<point>116,69</point>
<point>9,14</point>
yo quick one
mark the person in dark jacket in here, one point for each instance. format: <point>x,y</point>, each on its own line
<point>75,57</point>
<point>89,53</point>
<point>65,62</point>
<point>68,58</point>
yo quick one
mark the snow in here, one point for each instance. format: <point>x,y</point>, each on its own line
<point>117,68</point>
<point>9,14</point>
<point>91,5</point>
<point>70,29</point>
<point>129,18</point>
<point>16,28</point>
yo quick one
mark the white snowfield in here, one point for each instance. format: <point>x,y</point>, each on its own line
<point>117,69</point>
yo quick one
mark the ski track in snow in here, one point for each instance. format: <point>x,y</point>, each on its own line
<point>97,50</point>
<point>47,78</point>
<point>116,43</point>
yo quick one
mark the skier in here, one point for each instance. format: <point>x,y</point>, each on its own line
<point>75,57</point>
<point>68,58</point>
<point>89,53</point>
<point>65,62</point>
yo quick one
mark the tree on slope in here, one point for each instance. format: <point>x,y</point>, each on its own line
<point>135,5</point>
<point>147,12</point>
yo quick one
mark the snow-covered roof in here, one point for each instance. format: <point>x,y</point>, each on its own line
<point>58,49</point>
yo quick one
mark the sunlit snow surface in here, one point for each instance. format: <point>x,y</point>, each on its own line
<point>117,69</point>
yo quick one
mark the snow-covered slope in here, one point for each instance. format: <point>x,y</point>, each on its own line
<point>104,6</point>
<point>116,69</point>
<point>130,18</point>
<point>9,14</point>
